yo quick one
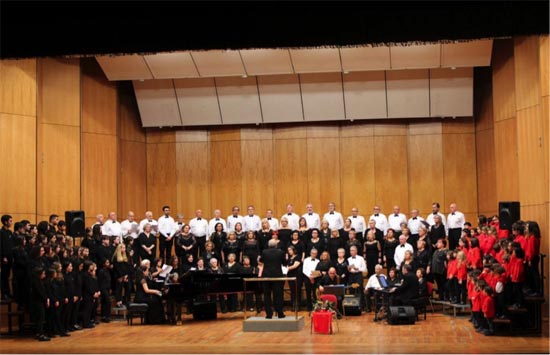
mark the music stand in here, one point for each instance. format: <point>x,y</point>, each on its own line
<point>338,291</point>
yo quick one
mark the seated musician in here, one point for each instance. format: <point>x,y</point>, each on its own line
<point>330,279</point>
<point>145,293</point>
<point>373,284</point>
<point>408,290</point>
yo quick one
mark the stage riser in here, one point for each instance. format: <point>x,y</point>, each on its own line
<point>260,324</point>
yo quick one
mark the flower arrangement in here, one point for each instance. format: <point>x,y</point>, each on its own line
<point>325,305</point>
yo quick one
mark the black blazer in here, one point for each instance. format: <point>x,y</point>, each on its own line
<point>409,288</point>
<point>273,259</point>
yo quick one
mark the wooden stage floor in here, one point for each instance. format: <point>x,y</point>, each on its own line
<point>438,334</point>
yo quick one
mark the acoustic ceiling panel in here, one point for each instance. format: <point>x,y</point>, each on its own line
<point>157,103</point>
<point>198,101</point>
<point>219,63</point>
<point>280,98</point>
<point>172,65</point>
<point>451,92</point>
<point>466,54</point>
<point>239,100</point>
<point>365,58</point>
<point>415,57</point>
<point>322,96</point>
<point>408,93</point>
<point>125,67</point>
<point>365,95</point>
<point>316,60</point>
<point>267,61</point>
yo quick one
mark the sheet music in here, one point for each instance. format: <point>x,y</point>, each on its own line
<point>165,271</point>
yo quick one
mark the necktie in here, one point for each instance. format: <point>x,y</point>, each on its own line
<point>198,219</point>
<point>250,215</point>
<point>453,213</point>
<point>402,245</point>
<point>331,212</point>
<point>354,216</point>
<point>269,218</point>
<point>396,215</point>
<point>435,213</point>
<point>414,218</point>
<point>353,257</point>
<point>234,216</point>
<point>376,215</point>
<point>165,216</point>
<point>150,221</point>
<point>310,214</point>
<point>290,214</point>
<point>217,219</point>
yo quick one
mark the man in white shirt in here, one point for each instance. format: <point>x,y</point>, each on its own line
<point>112,227</point>
<point>310,281</point>
<point>217,219</point>
<point>252,222</point>
<point>373,284</point>
<point>395,219</point>
<point>99,219</point>
<point>199,229</point>
<point>166,232</point>
<point>273,222</point>
<point>334,219</point>
<point>435,211</point>
<point>129,226</point>
<point>234,218</point>
<point>356,266</point>
<point>312,219</point>
<point>414,223</point>
<point>455,223</point>
<point>381,220</point>
<point>149,219</point>
<point>358,223</point>
<point>293,218</point>
<point>400,250</point>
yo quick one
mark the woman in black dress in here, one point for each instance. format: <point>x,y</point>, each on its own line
<point>90,294</point>
<point>264,235</point>
<point>145,293</point>
<point>324,263</point>
<point>218,237</point>
<point>341,265</point>
<point>240,235</point>
<point>38,302</point>
<point>335,242</point>
<point>147,243</point>
<point>122,268</point>
<point>231,246</point>
<point>294,267</point>
<point>186,243</point>
<point>303,230</point>
<point>324,232</point>
<point>209,253</point>
<point>373,252</point>
<point>344,231</point>
<point>298,245</point>
<point>315,242</point>
<point>437,231</point>
<point>251,248</point>
<point>284,232</point>
<point>232,267</point>
<point>389,249</point>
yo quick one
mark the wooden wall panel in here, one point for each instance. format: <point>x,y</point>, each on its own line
<point>526,61</point>
<point>160,136</point>
<point>18,87</point>
<point>289,132</point>
<point>323,158</point>
<point>533,185</point>
<point>425,166</point>
<point>290,174</point>
<point>486,172</point>
<point>225,175</point>
<point>357,179</point>
<point>58,173</point>
<point>99,175</point>
<point>132,183</point>
<point>393,128</point>
<point>59,91</point>
<point>257,174</point>
<point>506,160</point>
<point>545,136</point>
<point>192,168</point>
<point>18,152</point>
<point>99,100</point>
<point>161,176</point>
<point>504,95</point>
<point>128,115</point>
<point>459,168</point>
<point>483,99</point>
<point>391,173</point>
<point>544,62</point>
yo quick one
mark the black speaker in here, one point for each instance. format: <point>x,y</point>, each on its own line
<point>351,305</point>
<point>76,223</point>
<point>205,310</point>
<point>508,213</point>
<point>401,315</point>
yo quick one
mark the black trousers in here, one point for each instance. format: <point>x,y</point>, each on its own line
<point>201,241</point>
<point>441,281</point>
<point>274,288</point>
<point>311,296</point>
<point>454,236</point>
<point>5,271</point>
<point>296,291</point>
<point>106,303</point>
<point>38,315</point>
<point>165,249</point>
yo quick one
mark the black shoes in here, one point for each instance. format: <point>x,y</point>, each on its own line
<point>42,337</point>
<point>281,315</point>
<point>268,317</point>
<point>106,320</point>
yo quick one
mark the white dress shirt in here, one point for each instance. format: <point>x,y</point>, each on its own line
<point>358,223</point>
<point>359,262</point>
<point>129,228</point>
<point>199,227</point>
<point>166,225</point>
<point>374,283</point>
<point>399,254</point>
<point>112,229</point>
<point>212,225</point>
<point>381,222</point>
<point>455,220</point>
<point>152,222</point>
<point>253,223</point>
<point>273,223</point>
<point>232,220</point>
<point>309,266</point>
<point>177,227</point>
<point>293,220</point>
<point>334,219</point>
<point>394,221</point>
<point>313,220</point>
<point>414,224</point>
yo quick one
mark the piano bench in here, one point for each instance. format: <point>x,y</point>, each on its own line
<point>136,310</point>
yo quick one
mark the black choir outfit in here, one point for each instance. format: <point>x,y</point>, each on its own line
<point>147,241</point>
<point>372,254</point>
<point>155,310</point>
<point>284,235</point>
<point>263,238</point>
<point>389,252</point>
<point>251,249</point>
<point>185,240</point>
<point>218,238</point>
<point>295,297</point>
<point>231,246</point>
<point>318,244</point>
<point>300,248</point>
<point>333,245</point>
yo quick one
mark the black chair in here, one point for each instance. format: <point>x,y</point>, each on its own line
<point>420,305</point>
<point>136,310</point>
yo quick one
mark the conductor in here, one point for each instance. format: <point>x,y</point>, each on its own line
<point>273,259</point>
